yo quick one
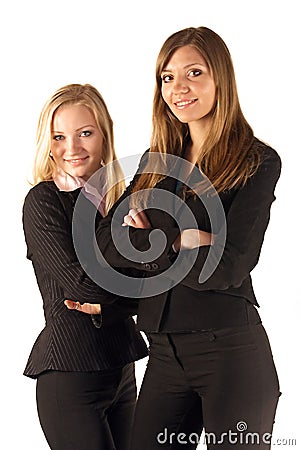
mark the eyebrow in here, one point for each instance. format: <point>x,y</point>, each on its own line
<point>78,129</point>
<point>186,67</point>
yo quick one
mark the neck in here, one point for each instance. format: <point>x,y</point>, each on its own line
<point>198,132</point>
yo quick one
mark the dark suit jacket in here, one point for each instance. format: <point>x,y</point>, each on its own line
<point>224,298</point>
<point>70,341</point>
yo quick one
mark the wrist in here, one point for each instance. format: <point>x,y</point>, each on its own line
<point>176,244</point>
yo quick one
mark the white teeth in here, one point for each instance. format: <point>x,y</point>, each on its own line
<point>74,160</point>
<point>187,102</point>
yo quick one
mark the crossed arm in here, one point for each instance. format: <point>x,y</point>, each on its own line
<point>246,221</point>
<point>137,218</point>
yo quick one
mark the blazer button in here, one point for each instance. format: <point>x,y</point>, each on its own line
<point>147,266</point>
<point>155,266</point>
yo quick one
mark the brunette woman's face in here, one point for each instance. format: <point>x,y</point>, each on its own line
<point>76,141</point>
<point>187,86</point>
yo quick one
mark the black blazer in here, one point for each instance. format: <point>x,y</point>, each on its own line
<point>225,297</point>
<point>70,341</point>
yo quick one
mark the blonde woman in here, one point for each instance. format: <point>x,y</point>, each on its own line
<point>208,348</point>
<point>86,388</point>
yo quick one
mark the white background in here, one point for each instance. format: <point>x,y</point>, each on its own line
<point>113,45</point>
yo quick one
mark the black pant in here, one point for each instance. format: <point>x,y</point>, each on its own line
<point>224,380</point>
<point>87,410</point>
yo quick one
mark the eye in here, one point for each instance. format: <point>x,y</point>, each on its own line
<point>85,133</point>
<point>58,137</point>
<point>167,78</point>
<point>195,72</point>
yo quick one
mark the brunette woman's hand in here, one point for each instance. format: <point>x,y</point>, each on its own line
<point>136,218</point>
<point>192,238</point>
<point>87,308</point>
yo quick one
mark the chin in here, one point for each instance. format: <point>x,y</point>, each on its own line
<point>78,174</point>
<point>182,119</point>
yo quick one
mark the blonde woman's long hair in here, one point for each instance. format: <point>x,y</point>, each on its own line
<point>227,156</point>
<point>44,168</point>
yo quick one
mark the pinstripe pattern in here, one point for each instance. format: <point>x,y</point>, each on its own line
<point>70,341</point>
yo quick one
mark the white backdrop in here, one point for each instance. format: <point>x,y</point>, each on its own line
<point>113,45</point>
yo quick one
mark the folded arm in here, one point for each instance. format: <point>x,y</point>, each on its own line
<point>246,224</point>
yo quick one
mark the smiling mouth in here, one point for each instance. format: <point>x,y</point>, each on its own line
<point>76,161</point>
<point>184,103</point>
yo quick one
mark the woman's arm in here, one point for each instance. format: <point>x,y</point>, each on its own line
<point>247,221</point>
<point>135,218</point>
<point>139,237</point>
<point>121,308</point>
<point>140,230</point>
<point>48,235</point>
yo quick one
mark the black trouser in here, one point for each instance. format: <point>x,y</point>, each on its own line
<point>87,410</point>
<point>224,380</point>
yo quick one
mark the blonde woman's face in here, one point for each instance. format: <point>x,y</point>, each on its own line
<point>76,141</point>
<point>187,86</point>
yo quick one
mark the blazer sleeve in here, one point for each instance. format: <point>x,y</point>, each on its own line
<point>50,246</point>
<point>246,223</point>
<point>119,250</point>
<point>245,227</point>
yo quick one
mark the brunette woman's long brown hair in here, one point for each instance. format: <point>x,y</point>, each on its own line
<point>227,156</point>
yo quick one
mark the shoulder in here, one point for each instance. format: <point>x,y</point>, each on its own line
<point>144,161</point>
<point>142,164</point>
<point>267,169</point>
<point>268,156</point>
<point>43,197</point>
<point>41,190</point>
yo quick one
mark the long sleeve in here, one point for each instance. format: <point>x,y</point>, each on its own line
<point>127,246</point>
<point>244,230</point>
<point>48,235</point>
<point>246,223</point>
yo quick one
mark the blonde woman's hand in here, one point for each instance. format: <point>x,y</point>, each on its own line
<point>136,218</point>
<point>87,308</point>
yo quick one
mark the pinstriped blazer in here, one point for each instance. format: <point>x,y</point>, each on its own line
<point>69,340</point>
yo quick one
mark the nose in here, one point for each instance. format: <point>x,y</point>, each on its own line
<point>180,85</point>
<point>72,146</point>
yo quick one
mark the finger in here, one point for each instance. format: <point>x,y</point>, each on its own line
<point>91,308</point>
<point>128,220</point>
<point>70,304</point>
<point>141,219</point>
<point>136,213</point>
<point>133,212</point>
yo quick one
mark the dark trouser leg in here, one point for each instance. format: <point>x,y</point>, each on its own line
<point>231,370</point>
<point>73,409</point>
<point>166,405</point>
<point>239,386</point>
<point>120,414</point>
